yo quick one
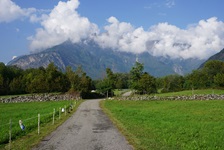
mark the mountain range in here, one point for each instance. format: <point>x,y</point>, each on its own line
<point>94,60</point>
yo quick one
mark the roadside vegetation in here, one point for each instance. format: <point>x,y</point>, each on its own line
<point>169,124</point>
<point>11,113</point>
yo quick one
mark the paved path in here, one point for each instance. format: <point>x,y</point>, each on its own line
<point>88,129</point>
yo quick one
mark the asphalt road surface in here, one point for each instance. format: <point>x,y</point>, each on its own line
<point>88,129</point>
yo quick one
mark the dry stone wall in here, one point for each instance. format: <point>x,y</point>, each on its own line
<point>37,98</point>
<point>184,98</point>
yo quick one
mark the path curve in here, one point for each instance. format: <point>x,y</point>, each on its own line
<point>88,129</point>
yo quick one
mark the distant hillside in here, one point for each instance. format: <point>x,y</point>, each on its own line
<point>94,60</point>
<point>218,56</point>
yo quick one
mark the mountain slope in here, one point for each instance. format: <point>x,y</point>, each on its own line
<point>94,60</point>
<point>218,56</point>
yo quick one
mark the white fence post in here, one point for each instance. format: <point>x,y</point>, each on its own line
<point>38,124</point>
<point>53,115</point>
<point>65,110</point>
<point>10,133</point>
<point>59,113</point>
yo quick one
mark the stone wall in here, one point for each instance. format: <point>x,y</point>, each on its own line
<point>193,97</point>
<point>37,98</point>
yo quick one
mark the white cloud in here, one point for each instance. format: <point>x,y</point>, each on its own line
<point>200,40</point>
<point>61,24</point>
<point>14,57</point>
<point>170,3</point>
<point>9,11</point>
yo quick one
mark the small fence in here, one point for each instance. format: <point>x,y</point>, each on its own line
<point>17,128</point>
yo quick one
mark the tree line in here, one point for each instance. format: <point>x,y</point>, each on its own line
<point>14,80</point>
<point>211,75</point>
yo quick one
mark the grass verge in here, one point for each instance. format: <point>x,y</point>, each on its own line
<point>169,124</point>
<point>29,138</point>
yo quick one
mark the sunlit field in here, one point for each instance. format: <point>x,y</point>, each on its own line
<point>169,124</point>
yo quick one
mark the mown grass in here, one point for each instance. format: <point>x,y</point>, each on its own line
<point>119,92</point>
<point>169,124</point>
<point>28,112</point>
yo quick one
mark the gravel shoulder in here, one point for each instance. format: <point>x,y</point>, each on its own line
<point>88,129</point>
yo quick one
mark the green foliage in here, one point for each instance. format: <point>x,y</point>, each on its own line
<point>219,79</point>
<point>209,76</point>
<point>142,82</point>
<point>122,80</point>
<point>170,124</point>
<point>16,81</point>
<point>147,84</point>
<point>172,83</point>
<point>136,73</point>
<point>80,83</point>
<point>104,87</point>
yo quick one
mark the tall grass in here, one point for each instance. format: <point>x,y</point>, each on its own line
<point>170,124</point>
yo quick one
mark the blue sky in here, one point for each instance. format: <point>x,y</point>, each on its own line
<point>155,26</point>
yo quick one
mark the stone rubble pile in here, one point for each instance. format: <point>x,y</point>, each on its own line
<point>183,98</point>
<point>37,98</point>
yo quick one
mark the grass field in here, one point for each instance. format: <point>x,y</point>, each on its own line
<point>169,124</point>
<point>28,113</point>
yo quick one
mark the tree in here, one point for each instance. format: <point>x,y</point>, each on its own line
<point>219,80</point>
<point>71,77</point>
<point>121,80</point>
<point>16,86</point>
<point>111,77</point>
<point>173,83</point>
<point>147,84</point>
<point>80,83</point>
<point>211,69</point>
<point>51,78</point>
<point>1,85</point>
<point>135,75</point>
<point>196,80</point>
<point>35,81</point>
<point>104,87</point>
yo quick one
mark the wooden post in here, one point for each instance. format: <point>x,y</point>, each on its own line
<point>38,124</point>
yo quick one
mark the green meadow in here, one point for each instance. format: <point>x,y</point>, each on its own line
<point>169,124</point>
<point>11,113</point>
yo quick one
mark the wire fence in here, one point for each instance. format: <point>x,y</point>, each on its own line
<point>17,128</point>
